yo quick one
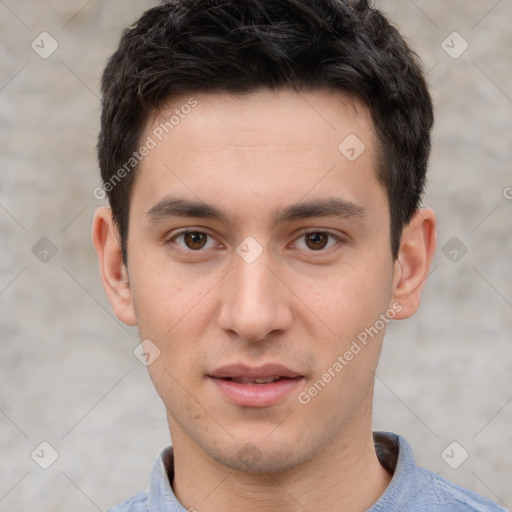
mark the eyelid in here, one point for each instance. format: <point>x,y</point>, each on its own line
<point>306,231</point>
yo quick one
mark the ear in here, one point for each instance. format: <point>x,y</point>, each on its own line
<point>412,265</point>
<point>114,274</point>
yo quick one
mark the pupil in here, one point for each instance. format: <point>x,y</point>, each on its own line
<point>316,240</point>
<point>195,240</point>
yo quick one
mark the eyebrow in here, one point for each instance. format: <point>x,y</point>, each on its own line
<point>329,207</point>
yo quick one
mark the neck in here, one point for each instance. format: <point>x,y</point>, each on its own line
<point>345,475</point>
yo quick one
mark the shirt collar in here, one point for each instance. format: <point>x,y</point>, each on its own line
<point>161,496</point>
<point>408,478</point>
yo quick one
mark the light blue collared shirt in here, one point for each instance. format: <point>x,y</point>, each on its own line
<point>412,488</point>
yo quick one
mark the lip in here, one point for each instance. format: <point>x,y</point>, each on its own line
<point>254,372</point>
<point>255,395</point>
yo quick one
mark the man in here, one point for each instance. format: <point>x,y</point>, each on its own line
<point>264,164</point>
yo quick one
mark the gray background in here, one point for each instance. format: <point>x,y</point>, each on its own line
<point>68,374</point>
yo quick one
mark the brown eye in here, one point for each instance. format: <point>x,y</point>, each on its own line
<point>316,241</point>
<point>195,240</point>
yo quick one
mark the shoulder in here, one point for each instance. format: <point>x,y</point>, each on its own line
<point>463,499</point>
<point>137,503</point>
<point>438,494</point>
<point>416,489</point>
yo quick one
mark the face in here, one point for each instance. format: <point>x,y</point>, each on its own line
<point>260,250</point>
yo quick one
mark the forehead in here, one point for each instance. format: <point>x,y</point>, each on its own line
<point>249,119</point>
<point>262,148</point>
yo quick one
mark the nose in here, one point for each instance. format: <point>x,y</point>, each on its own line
<point>255,303</point>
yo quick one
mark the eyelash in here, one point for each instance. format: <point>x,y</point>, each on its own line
<point>172,239</point>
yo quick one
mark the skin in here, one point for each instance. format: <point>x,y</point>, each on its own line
<point>297,304</point>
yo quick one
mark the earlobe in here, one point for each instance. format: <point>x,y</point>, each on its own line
<point>412,265</point>
<point>114,274</point>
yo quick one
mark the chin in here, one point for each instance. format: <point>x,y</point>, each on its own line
<point>260,456</point>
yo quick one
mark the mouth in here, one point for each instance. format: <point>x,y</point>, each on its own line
<point>256,380</point>
<point>263,386</point>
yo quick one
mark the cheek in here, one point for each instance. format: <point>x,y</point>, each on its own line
<point>351,298</point>
<point>348,318</point>
<point>174,310</point>
<point>165,298</point>
<point>347,360</point>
